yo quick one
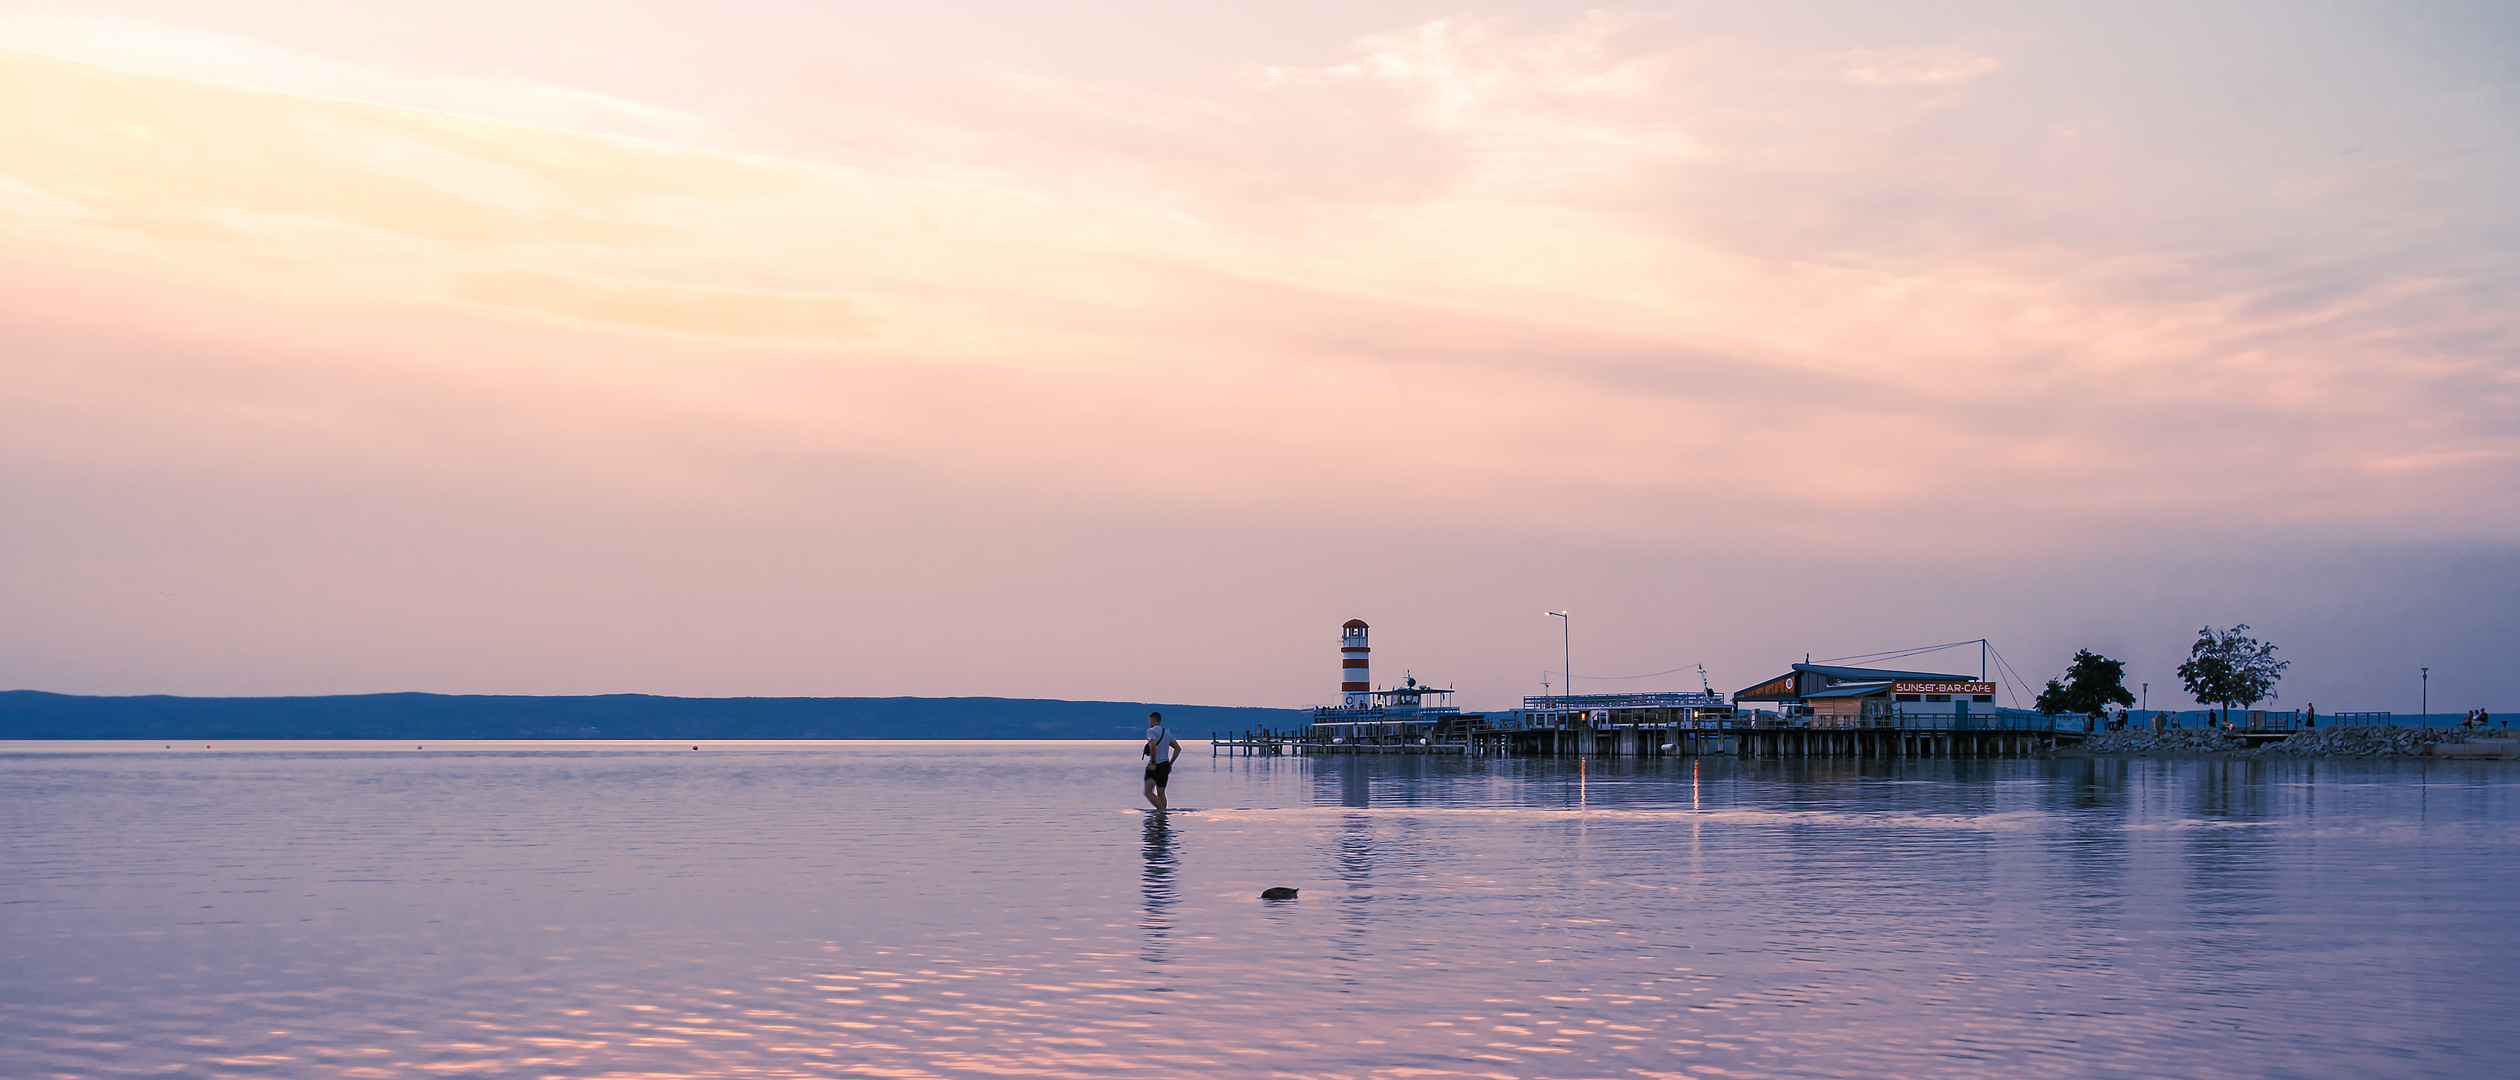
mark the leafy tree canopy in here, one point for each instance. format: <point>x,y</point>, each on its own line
<point>2231,668</point>
<point>2092,684</point>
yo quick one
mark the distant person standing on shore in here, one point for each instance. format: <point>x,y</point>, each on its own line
<point>1159,752</point>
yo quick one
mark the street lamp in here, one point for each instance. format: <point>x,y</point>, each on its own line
<point>2424,718</point>
<point>1566,645</point>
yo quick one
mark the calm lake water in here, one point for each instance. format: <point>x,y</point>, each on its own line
<point>969,909</point>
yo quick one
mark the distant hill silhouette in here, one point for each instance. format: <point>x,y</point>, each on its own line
<point>33,714</point>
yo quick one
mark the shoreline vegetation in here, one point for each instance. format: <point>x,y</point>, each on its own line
<point>2389,741</point>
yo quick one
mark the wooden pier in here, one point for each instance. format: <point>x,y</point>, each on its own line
<point>1897,743</point>
<point>1742,741</point>
<point>1262,743</point>
<point>1770,742</point>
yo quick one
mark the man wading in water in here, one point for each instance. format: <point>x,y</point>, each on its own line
<point>1159,751</point>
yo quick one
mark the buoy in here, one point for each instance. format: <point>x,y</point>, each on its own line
<point>1279,893</point>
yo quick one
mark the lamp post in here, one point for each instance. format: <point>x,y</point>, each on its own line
<point>2424,718</point>
<point>1566,646</point>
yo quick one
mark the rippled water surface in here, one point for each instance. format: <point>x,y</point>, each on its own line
<point>967,909</point>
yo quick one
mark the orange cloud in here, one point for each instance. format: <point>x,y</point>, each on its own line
<point>689,311</point>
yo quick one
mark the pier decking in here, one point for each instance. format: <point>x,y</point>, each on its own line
<point>1474,736</point>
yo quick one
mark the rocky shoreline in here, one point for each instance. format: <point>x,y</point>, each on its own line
<point>2333,742</point>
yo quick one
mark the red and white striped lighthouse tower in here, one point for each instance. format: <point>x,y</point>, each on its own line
<point>1356,674</point>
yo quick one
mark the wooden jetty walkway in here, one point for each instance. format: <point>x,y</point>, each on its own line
<point>1457,737</point>
<point>1746,741</point>
<point>1263,743</point>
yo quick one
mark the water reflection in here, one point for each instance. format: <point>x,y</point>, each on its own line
<point>854,911</point>
<point>1355,779</point>
<point>1362,781</point>
<point>1157,892</point>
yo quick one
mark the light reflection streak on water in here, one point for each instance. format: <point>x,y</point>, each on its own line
<point>938,910</point>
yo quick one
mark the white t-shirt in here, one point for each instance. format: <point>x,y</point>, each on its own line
<point>1163,742</point>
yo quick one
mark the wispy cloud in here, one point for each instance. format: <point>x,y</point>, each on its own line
<point>154,48</point>
<point>1638,275</point>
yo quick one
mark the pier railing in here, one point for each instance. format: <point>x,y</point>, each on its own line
<point>2001,733</point>
<point>1655,700</point>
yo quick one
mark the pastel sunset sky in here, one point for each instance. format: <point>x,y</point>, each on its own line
<point>1122,350</point>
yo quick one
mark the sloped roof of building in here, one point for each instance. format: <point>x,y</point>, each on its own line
<point>1877,674</point>
<point>1788,686</point>
<point>1859,689</point>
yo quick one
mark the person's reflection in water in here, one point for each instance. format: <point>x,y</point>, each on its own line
<point>1155,883</point>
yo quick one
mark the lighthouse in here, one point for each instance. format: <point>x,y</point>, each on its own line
<point>1414,716</point>
<point>1356,673</point>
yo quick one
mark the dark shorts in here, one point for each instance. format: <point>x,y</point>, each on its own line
<point>1160,772</point>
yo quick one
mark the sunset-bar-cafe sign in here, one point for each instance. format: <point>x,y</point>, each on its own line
<point>1942,688</point>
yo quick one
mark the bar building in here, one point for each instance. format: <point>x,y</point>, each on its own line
<point>1852,697</point>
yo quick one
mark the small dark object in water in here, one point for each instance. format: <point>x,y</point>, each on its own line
<point>1279,893</point>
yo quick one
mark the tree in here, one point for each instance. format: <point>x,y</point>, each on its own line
<point>2092,684</point>
<point>2231,668</point>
